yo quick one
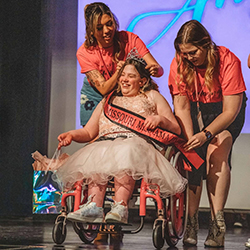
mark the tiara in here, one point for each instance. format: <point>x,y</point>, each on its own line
<point>134,54</point>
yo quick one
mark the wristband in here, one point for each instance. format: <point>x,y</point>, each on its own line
<point>208,134</point>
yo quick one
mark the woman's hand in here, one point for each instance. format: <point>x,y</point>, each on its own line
<point>195,141</point>
<point>64,139</point>
<point>119,65</point>
<point>153,66</point>
<point>152,121</point>
<point>155,70</point>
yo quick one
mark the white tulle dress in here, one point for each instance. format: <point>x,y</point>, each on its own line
<point>121,152</point>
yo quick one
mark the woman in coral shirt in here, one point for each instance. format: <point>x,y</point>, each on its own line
<point>102,55</point>
<point>209,99</point>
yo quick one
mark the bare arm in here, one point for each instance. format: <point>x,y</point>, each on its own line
<point>154,67</point>
<point>98,81</point>
<point>165,118</point>
<point>183,116</point>
<point>85,134</point>
<point>105,86</point>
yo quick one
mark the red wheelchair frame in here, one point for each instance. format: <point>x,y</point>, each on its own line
<point>171,219</point>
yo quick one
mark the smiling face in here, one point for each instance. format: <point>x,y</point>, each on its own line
<point>130,81</point>
<point>196,55</point>
<point>104,31</point>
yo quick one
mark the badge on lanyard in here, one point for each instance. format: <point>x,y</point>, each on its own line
<point>199,117</point>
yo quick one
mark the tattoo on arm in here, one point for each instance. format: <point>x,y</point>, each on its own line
<point>96,78</point>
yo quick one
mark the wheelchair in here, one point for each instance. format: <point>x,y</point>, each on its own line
<point>169,225</point>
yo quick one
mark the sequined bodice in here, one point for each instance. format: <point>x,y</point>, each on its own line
<point>140,104</point>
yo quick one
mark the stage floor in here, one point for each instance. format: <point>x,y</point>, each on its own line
<point>30,233</point>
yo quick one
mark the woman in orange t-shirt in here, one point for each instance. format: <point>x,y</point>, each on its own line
<point>209,99</point>
<point>102,55</point>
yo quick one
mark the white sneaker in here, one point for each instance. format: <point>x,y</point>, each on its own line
<point>247,244</point>
<point>88,212</point>
<point>117,214</point>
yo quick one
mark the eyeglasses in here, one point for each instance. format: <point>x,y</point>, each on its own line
<point>191,53</point>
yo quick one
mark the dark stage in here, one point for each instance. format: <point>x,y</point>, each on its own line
<point>36,233</point>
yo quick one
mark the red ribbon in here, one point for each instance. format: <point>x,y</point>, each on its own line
<point>135,122</point>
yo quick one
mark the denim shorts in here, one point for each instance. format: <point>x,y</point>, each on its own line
<point>90,97</point>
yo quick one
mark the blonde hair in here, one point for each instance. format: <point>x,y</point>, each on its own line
<point>92,12</point>
<point>194,32</point>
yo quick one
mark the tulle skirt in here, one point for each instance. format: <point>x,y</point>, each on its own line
<point>100,161</point>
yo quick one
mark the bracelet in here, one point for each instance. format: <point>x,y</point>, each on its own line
<point>208,134</point>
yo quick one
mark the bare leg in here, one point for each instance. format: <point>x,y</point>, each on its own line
<point>97,193</point>
<point>218,183</point>
<point>190,237</point>
<point>218,172</point>
<point>119,210</point>
<point>123,189</point>
<point>92,211</point>
<point>194,199</point>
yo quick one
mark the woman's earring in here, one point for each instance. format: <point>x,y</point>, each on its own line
<point>91,40</point>
<point>141,89</point>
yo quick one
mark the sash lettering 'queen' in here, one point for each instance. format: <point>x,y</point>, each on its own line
<point>135,123</point>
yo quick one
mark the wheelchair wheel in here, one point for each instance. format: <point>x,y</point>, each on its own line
<point>179,213</point>
<point>59,231</point>
<point>179,204</point>
<point>177,209</point>
<point>169,235</point>
<point>85,232</point>
<point>171,239</point>
<point>158,239</point>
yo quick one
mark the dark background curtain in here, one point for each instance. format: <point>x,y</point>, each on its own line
<point>26,32</point>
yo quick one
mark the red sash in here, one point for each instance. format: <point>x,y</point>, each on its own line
<point>135,123</point>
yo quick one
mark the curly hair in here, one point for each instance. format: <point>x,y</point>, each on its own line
<point>144,73</point>
<point>194,32</point>
<point>92,12</point>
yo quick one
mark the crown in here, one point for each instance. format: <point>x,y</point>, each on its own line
<point>134,54</point>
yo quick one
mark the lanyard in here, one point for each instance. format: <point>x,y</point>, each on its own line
<point>196,90</point>
<point>103,61</point>
<point>199,115</point>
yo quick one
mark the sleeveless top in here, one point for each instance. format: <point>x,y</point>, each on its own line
<point>140,104</point>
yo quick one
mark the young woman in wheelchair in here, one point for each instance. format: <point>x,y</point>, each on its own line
<point>119,152</point>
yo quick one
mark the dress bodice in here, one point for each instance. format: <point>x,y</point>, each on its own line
<point>140,104</point>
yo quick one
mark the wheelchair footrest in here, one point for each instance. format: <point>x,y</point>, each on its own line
<point>112,223</point>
